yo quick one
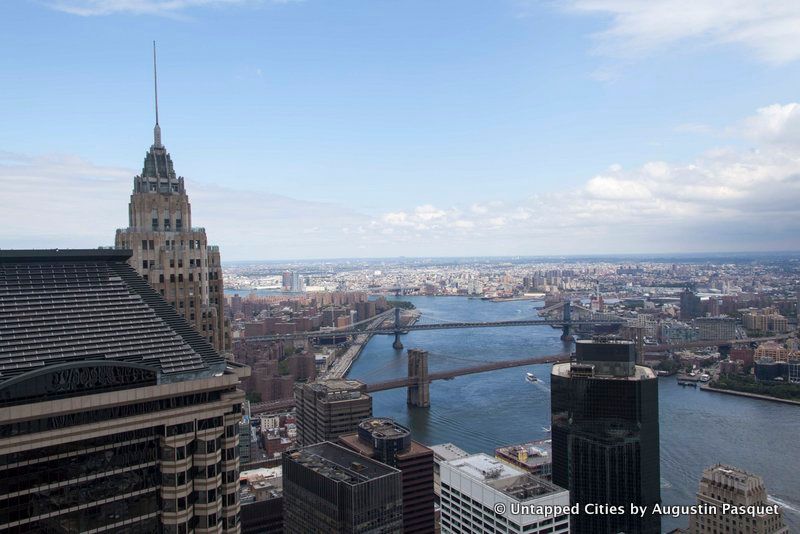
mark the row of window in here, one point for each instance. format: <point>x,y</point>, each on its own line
<point>477,512</point>
<point>106,414</point>
<point>51,500</point>
<point>93,463</point>
<point>102,515</point>
<point>200,497</point>
<point>45,454</point>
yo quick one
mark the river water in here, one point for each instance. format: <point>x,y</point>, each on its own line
<point>484,411</point>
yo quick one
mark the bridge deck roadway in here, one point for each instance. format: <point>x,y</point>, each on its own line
<point>492,366</point>
<point>433,326</point>
<point>286,404</point>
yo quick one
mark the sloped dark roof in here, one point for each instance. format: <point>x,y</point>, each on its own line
<point>62,306</point>
<point>157,162</point>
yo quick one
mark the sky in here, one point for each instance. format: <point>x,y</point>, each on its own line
<point>376,128</point>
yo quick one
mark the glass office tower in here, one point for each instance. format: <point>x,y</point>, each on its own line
<point>605,435</point>
<point>115,414</point>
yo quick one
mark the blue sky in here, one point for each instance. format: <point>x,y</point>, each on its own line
<point>372,128</point>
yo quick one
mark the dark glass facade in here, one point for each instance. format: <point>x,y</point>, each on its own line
<point>606,438</point>
<point>390,443</point>
<point>115,416</point>
<point>327,488</point>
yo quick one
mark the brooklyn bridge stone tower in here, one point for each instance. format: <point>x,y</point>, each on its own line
<point>168,252</point>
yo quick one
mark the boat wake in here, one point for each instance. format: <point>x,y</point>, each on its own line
<point>792,507</point>
<point>539,384</point>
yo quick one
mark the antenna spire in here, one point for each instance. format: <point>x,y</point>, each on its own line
<point>157,129</point>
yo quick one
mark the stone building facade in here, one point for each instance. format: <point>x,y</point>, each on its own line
<point>172,255</point>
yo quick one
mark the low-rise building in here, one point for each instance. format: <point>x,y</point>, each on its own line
<point>261,497</point>
<point>444,453</point>
<point>534,457</point>
<point>715,328</point>
<point>772,350</point>
<point>481,494</point>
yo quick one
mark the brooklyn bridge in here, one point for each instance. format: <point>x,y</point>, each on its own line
<point>565,316</point>
<point>418,379</point>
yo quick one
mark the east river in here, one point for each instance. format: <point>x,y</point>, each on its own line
<point>484,411</point>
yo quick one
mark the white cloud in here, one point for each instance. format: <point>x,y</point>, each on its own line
<point>89,8</point>
<point>612,188</point>
<point>776,125</point>
<point>429,213</point>
<point>62,201</point>
<point>477,208</point>
<point>724,199</point>
<point>768,28</point>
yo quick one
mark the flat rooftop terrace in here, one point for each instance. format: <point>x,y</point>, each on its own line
<point>340,464</point>
<point>512,481</point>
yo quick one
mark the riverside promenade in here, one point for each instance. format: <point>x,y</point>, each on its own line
<point>343,363</point>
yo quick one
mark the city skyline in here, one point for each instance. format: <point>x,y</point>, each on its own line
<point>524,139</point>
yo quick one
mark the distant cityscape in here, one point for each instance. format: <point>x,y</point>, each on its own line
<point>158,327</point>
<point>151,387</point>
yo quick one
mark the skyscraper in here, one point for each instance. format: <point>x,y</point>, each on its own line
<point>605,435</point>
<point>115,415</point>
<point>326,409</point>
<point>170,254</point>
<point>328,488</point>
<point>384,440</point>
<point>722,484</point>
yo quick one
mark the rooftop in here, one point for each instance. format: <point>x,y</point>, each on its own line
<point>448,451</point>
<point>260,484</point>
<point>484,468</point>
<point>534,452</point>
<point>384,427</point>
<point>337,389</point>
<point>565,369</point>
<point>65,307</point>
<point>353,442</point>
<point>512,481</point>
<point>340,464</point>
